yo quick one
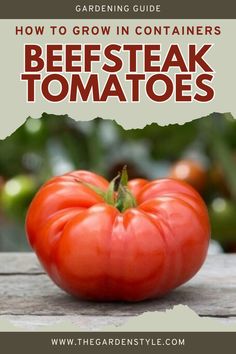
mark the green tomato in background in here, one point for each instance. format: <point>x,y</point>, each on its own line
<point>16,195</point>
<point>222,214</point>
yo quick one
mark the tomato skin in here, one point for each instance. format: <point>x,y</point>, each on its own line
<point>16,195</point>
<point>191,172</point>
<point>222,213</point>
<point>93,251</point>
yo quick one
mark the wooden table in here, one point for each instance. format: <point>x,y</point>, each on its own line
<point>29,299</point>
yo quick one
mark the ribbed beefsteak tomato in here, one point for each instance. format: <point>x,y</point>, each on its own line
<point>120,241</point>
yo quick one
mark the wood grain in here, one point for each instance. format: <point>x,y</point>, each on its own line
<point>26,292</point>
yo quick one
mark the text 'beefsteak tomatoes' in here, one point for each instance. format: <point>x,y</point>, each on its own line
<point>120,241</point>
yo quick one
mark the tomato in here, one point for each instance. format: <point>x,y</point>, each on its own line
<point>1,188</point>
<point>132,242</point>
<point>17,194</point>
<point>190,171</point>
<point>217,180</point>
<point>222,215</point>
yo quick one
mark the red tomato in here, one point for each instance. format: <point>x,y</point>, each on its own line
<point>190,171</point>
<point>95,251</point>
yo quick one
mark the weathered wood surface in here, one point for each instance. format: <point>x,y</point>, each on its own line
<point>28,296</point>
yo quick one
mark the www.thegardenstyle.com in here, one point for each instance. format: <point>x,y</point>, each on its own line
<point>110,342</point>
